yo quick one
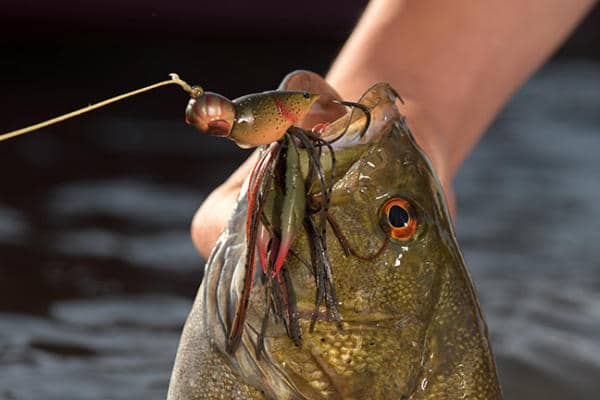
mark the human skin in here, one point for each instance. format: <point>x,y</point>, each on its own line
<point>455,63</point>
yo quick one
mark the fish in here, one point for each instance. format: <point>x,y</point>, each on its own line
<point>409,323</point>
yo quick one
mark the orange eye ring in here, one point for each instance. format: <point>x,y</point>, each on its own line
<point>399,218</point>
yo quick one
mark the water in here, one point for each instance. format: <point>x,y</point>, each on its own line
<point>97,272</point>
<point>530,227</point>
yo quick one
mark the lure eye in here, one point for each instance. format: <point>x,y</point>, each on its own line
<point>399,219</point>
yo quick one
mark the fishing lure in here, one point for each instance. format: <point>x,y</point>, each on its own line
<point>250,121</point>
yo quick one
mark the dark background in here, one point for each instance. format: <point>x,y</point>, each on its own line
<point>97,271</point>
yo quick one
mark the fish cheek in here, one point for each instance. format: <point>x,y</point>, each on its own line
<point>405,272</point>
<point>382,286</point>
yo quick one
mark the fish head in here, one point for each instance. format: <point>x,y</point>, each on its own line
<point>388,231</point>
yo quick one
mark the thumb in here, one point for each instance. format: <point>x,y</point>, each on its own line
<point>324,109</point>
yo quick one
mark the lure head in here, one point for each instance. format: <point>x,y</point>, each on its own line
<point>211,113</point>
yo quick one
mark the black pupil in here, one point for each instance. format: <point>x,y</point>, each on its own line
<point>398,217</point>
<point>306,95</point>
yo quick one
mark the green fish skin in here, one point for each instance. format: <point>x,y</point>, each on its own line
<point>412,325</point>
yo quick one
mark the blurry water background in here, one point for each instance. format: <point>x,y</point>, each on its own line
<point>97,270</point>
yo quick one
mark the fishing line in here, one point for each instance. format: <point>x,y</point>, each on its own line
<point>193,91</point>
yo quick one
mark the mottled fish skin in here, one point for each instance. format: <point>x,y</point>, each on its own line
<point>412,325</point>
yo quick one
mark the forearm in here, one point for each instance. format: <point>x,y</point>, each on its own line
<point>454,62</point>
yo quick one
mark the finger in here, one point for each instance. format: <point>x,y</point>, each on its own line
<point>324,109</point>
<point>213,214</point>
<point>210,219</point>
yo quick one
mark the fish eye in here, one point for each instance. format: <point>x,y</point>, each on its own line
<point>306,95</point>
<point>399,218</point>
